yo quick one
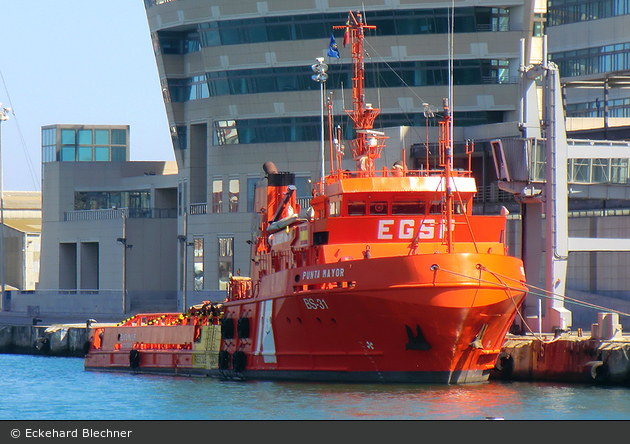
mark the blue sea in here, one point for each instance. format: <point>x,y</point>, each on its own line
<point>53,388</point>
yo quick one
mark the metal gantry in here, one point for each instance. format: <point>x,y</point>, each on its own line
<point>521,175</point>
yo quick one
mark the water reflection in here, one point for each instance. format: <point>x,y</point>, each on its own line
<point>53,388</point>
<point>476,401</point>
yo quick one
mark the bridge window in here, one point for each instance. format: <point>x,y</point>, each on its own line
<point>408,207</point>
<point>378,208</point>
<point>459,207</point>
<point>334,208</point>
<point>357,208</point>
<point>436,207</point>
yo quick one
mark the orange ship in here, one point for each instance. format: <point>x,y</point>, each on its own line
<point>386,277</point>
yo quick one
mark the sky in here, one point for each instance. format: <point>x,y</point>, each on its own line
<point>76,62</point>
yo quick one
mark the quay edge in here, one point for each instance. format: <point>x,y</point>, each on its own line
<point>567,358</point>
<point>62,340</point>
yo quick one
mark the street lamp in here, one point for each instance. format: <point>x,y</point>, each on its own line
<point>123,242</point>
<point>4,115</point>
<point>320,77</point>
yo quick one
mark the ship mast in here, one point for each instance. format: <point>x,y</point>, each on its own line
<point>368,144</point>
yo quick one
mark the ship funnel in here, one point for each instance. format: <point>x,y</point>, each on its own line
<point>270,168</point>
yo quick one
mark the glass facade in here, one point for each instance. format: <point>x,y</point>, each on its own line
<point>390,75</point>
<point>102,200</point>
<point>49,145</point>
<point>314,26</point>
<point>585,171</point>
<point>616,108</point>
<point>596,60</point>
<point>564,12</point>
<point>67,143</point>
<point>303,129</point>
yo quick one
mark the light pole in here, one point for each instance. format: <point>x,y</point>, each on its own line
<point>183,240</point>
<point>4,115</point>
<point>123,242</point>
<point>320,77</point>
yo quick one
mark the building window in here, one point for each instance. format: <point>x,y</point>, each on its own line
<point>101,137</point>
<point>85,137</point>
<point>101,153</point>
<point>217,196</point>
<point>595,60</point>
<point>119,137</point>
<point>310,26</point>
<point>119,153</point>
<point>68,137</point>
<point>251,193</point>
<point>138,202</point>
<point>49,143</point>
<point>68,153</point>
<point>225,132</point>
<point>226,260</point>
<point>198,263</point>
<point>85,154</point>
<point>234,192</point>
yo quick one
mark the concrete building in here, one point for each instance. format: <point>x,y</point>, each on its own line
<point>23,224</point>
<point>109,225</point>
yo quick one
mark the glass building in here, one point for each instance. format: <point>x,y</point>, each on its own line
<point>85,143</point>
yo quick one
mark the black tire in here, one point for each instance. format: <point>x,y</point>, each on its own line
<point>134,359</point>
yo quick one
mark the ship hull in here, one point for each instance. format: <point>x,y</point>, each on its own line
<point>415,319</point>
<point>424,318</point>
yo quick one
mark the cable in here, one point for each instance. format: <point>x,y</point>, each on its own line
<point>28,158</point>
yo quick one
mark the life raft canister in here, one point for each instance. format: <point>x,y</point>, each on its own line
<point>224,360</point>
<point>227,328</point>
<point>242,328</point>
<point>134,359</point>
<point>239,361</point>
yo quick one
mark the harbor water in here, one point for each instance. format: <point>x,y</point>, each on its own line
<point>54,388</point>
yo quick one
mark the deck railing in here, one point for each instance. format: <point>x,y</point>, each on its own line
<point>117,213</point>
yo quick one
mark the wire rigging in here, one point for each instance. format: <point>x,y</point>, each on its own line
<point>31,168</point>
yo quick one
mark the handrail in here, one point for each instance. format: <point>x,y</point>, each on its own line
<point>117,213</point>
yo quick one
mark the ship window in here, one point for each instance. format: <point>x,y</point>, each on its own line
<point>436,208</point>
<point>460,207</point>
<point>378,208</point>
<point>357,208</point>
<point>334,208</point>
<point>409,207</point>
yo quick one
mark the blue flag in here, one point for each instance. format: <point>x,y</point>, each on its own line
<point>333,51</point>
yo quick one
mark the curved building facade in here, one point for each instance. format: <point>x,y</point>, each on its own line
<point>236,81</point>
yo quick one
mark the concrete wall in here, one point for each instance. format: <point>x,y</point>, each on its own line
<point>57,340</point>
<point>59,303</point>
<point>85,254</point>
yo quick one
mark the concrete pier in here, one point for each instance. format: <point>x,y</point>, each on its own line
<point>568,358</point>
<point>55,340</point>
<point>49,336</point>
